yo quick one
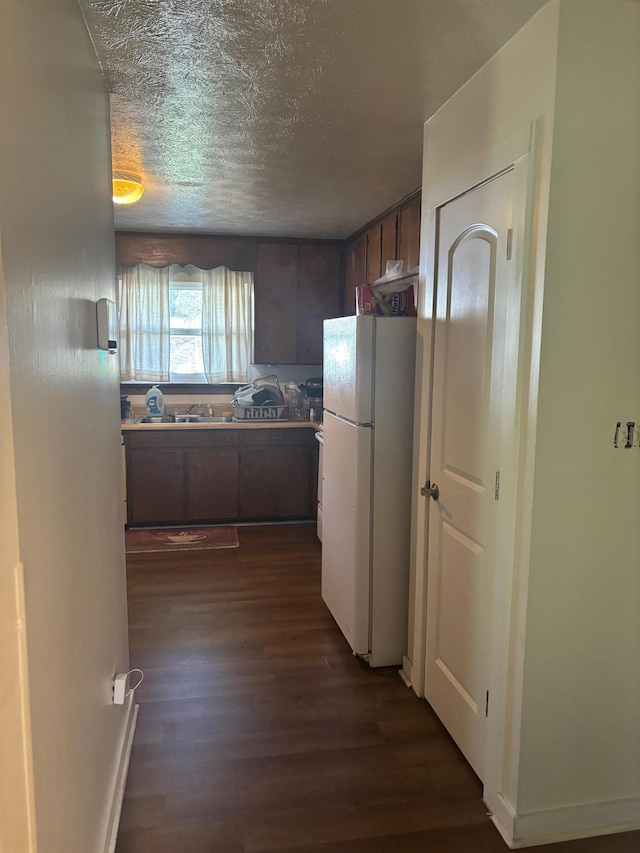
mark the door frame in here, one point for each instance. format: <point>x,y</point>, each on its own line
<point>517,152</point>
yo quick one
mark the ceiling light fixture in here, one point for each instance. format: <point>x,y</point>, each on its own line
<point>127,188</point>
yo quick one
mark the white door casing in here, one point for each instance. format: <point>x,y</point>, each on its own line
<point>475,279</point>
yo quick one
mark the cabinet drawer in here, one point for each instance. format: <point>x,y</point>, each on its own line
<point>180,437</point>
<point>276,437</point>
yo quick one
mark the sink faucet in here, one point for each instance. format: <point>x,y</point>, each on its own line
<point>193,406</point>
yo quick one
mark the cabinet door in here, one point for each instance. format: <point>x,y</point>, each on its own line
<point>349,300</point>
<point>275,483</point>
<point>374,253</point>
<point>355,273</point>
<point>389,240</point>
<point>318,297</point>
<point>409,233</point>
<point>360,260</point>
<point>276,304</point>
<point>212,491</point>
<point>155,486</point>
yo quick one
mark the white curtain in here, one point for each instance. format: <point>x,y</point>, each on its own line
<point>143,321</point>
<point>227,324</point>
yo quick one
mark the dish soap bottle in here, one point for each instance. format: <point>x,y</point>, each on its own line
<point>154,402</point>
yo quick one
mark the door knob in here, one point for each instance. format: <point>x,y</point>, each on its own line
<point>429,491</point>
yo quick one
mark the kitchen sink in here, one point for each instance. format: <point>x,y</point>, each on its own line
<point>189,419</point>
<point>200,419</point>
<point>185,420</point>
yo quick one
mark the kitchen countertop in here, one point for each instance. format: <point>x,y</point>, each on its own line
<point>128,427</point>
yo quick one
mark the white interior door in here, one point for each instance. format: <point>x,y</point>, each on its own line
<point>474,275</point>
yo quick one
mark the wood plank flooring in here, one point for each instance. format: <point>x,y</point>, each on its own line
<point>259,731</point>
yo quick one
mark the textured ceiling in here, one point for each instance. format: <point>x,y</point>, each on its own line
<point>282,117</point>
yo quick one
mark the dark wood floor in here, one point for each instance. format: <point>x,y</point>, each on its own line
<point>259,731</point>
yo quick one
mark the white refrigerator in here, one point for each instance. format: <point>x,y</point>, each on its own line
<point>368,393</point>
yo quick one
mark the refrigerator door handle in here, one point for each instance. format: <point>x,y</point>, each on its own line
<point>347,421</point>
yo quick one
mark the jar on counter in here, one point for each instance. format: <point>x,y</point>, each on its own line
<point>294,400</point>
<point>315,412</point>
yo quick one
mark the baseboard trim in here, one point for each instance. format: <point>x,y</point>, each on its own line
<point>570,823</point>
<point>120,780</point>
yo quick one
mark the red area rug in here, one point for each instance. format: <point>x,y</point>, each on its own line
<point>157,539</point>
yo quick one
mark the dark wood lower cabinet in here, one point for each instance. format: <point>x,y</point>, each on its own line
<point>274,483</point>
<point>212,483</point>
<point>193,476</point>
<point>277,474</point>
<point>155,485</point>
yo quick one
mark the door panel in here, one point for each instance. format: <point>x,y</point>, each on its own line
<point>473,282</point>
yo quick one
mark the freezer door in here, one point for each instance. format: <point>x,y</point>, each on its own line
<point>346,527</point>
<point>348,368</point>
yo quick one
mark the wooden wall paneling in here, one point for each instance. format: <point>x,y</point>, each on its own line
<point>409,233</point>
<point>206,252</point>
<point>318,297</point>
<point>276,304</point>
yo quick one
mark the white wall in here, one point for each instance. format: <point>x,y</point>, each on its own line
<point>568,746</point>
<point>56,228</point>
<point>17,824</point>
<point>580,730</point>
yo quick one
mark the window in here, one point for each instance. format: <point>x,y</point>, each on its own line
<point>184,324</point>
<point>186,361</point>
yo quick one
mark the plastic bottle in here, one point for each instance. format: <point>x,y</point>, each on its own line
<point>154,402</point>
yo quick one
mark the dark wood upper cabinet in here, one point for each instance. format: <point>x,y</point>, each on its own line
<point>395,236</point>
<point>297,286</point>
<point>355,272</point>
<point>374,253</point>
<point>318,297</point>
<point>409,233</point>
<point>382,246</point>
<point>389,241</point>
<point>348,303</point>
<point>360,260</point>
<point>276,304</point>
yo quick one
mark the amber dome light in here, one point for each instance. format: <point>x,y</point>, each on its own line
<point>127,188</point>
